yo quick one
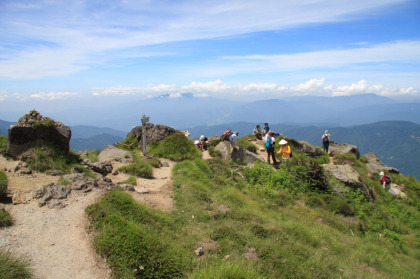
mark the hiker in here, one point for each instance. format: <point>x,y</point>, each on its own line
<point>326,141</point>
<point>226,135</point>
<point>266,129</point>
<point>285,151</point>
<point>198,144</point>
<point>258,133</point>
<point>385,179</point>
<point>269,145</point>
<point>233,138</point>
<point>186,133</point>
<point>204,142</point>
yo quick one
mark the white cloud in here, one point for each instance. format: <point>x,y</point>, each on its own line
<point>53,39</point>
<point>53,95</point>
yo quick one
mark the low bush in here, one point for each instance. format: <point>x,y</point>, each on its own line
<point>92,155</point>
<point>176,147</point>
<point>140,168</point>
<point>3,183</point>
<point>131,180</point>
<point>130,143</point>
<point>14,267</point>
<point>244,143</point>
<point>214,153</point>
<point>5,218</point>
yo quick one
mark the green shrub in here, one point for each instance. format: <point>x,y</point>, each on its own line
<point>3,183</point>
<point>139,168</point>
<point>3,144</point>
<point>176,147</point>
<point>5,218</point>
<point>244,143</point>
<point>92,155</point>
<point>214,153</point>
<point>14,267</point>
<point>47,157</point>
<point>226,270</point>
<point>130,143</point>
<point>132,180</point>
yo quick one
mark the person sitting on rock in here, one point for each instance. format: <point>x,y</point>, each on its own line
<point>258,133</point>
<point>204,142</point>
<point>385,179</point>
<point>266,130</point>
<point>233,138</point>
<point>285,151</point>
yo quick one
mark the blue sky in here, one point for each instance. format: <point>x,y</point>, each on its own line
<point>60,53</point>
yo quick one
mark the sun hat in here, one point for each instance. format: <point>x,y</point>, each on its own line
<point>202,137</point>
<point>196,142</point>
<point>381,173</point>
<point>282,142</point>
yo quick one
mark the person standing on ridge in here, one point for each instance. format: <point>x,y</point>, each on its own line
<point>285,151</point>
<point>385,179</point>
<point>269,145</point>
<point>326,141</point>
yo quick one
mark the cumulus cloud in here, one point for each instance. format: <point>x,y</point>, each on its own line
<point>218,88</point>
<point>53,95</point>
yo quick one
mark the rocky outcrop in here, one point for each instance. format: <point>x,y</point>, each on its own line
<point>154,133</point>
<point>349,177</point>
<point>100,167</point>
<point>33,129</point>
<point>343,148</point>
<point>311,151</point>
<point>375,165</point>
<point>111,153</point>
<point>238,155</point>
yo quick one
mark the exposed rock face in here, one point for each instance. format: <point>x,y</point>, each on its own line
<point>100,167</point>
<point>350,177</point>
<point>375,165</point>
<point>111,153</point>
<point>343,148</point>
<point>154,133</point>
<point>309,150</point>
<point>238,155</point>
<point>33,129</point>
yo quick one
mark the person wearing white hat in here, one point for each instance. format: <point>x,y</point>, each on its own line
<point>204,142</point>
<point>285,150</point>
<point>385,179</point>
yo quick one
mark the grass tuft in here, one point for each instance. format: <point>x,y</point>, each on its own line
<point>12,266</point>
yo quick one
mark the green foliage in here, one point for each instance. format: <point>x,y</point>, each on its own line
<point>140,167</point>
<point>130,143</point>
<point>3,183</point>
<point>3,144</point>
<point>5,218</point>
<point>92,155</point>
<point>45,123</point>
<point>134,239</point>
<point>132,180</point>
<point>213,152</point>
<point>176,147</point>
<point>244,143</point>
<point>225,270</point>
<point>14,267</point>
<point>47,157</point>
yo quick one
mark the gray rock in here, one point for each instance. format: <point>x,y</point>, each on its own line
<point>348,176</point>
<point>106,183</point>
<point>375,165</point>
<point>143,190</point>
<point>48,195</point>
<point>33,129</point>
<point>165,164</point>
<point>154,133</point>
<point>310,150</point>
<point>100,167</point>
<point>111,153</point>
<point>238,155</point>
<point>56,172</point>
<point>127,187</point>
<point>343,148</point>
<point>38,192</point>
<point>60,192</point>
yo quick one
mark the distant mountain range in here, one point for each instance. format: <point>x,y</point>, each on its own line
<point>187,110</point>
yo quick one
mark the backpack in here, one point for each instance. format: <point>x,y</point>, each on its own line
<point>325,140</point>
<point>226,135</point>
<point>269,143</point>
<point>387,179</point>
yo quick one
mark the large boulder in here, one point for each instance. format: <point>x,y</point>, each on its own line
<point>349,177</point>
<point>33,129</point>
<point>375,165</point>
<point>310,150</point>
<point>343,148</point>
<point>154,133</point>
<point>112,153</point>
<point>238,155</point>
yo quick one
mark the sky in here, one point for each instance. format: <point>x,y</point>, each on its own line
<point>58,54</point>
